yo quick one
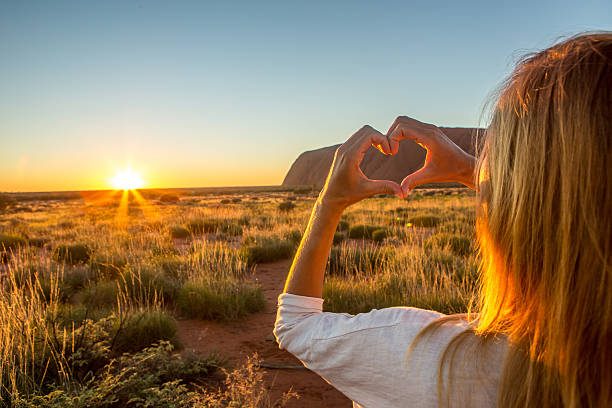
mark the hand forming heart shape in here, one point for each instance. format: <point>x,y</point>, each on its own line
<point>445,162</point>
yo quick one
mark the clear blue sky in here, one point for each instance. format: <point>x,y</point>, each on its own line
<point>198,94</point>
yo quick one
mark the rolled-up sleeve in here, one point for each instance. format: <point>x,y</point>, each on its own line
<point>364,355</point>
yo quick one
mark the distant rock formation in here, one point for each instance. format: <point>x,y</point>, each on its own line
<point>311,167</point>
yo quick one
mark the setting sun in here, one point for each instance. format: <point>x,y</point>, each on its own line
<point>127,180</point>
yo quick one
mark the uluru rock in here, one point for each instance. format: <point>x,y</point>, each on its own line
<point>311,167</point>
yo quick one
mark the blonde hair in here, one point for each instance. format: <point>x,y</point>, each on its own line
<point>545,226</point>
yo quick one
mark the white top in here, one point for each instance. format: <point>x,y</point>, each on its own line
<point>365,356</point>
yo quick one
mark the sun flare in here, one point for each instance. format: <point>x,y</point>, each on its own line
<point>127,180</point>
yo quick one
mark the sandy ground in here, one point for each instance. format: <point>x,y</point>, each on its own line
<point>239,339</point>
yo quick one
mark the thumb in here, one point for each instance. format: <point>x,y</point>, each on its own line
<point>422,176</point>
<point>384,187</point>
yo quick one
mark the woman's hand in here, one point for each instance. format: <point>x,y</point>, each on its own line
<point>346,184</point>
<point>445,161</point>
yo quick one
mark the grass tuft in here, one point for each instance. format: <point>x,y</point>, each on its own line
<point>72,254</point>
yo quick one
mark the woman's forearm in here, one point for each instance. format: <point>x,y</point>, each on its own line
<point>308,268</point>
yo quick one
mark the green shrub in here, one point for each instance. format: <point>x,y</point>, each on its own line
<point>361,231</point>
<point>155,377</point>
<point>72,254</point>
<point>38,242</point>
<point>220,300</point>
<point>459,245</point>
<point>342,225</point>
<point>78,277</point>
<point>294,236</point>
<point>178,231</point>
<point>380,234</point>
<point>427,221</point>
<point>145,287</point>
<point>142,329</point>
<point>108,264</point>
<point>268,250</point>
<point>101,295</point>
<point>11,242</point>
<point>286,206</point>
<point>338,238</point>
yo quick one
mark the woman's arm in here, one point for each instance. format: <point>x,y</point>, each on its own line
<point>346,184</point>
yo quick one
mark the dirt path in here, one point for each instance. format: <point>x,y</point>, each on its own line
<point>240,339</point>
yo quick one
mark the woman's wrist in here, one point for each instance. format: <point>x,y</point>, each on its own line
<point>329,208</point>
<point>466,175</point>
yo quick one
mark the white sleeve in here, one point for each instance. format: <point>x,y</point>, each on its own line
<point>363,356</point>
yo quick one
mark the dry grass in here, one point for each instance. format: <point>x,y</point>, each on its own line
<point>77,276</point>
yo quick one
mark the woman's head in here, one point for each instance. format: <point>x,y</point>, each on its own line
<point>545,222</point>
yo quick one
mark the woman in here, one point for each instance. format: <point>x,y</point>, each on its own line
<point>543,336</point>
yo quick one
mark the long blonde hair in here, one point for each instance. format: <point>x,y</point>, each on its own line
<point>545,226</point>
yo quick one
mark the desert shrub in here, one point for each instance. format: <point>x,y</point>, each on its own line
<point>169,198</point>
<point>236,200</point>
<point>101,294</point>
<point>346,260</point>
<point>268,250</point>
<point>200,226</point>
<point>380,234</point>
<point>426,221</point>
<point>155,377</point>
<point>245,387</point>
<point>147,287</point>
<point>342,225</point>
<point>225,201</point>
<point>108,264</point>
<point>244,220</point>
<point>231,229</point>
<point>142,329</point>
<point>172,266</point>
<point>263,222</point>
<point>286,206</point>
<point>72,254</point>
<point>362,231</point>
<point>219,300</point>
<point>338,238</point>
<point>457,244</point>
<point>38,242</point>
<point>11,242</point>
<point>294,236</point>
<point>179,231</point>
<point>78,277</point>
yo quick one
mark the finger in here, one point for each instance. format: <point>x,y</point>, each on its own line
<point>422,176</point>
<point>366,137</point>
<point>408,128</point>
<point>374,187</point>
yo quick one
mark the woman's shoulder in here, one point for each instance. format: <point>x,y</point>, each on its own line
<point>370,356</point>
